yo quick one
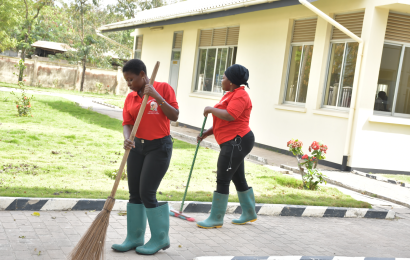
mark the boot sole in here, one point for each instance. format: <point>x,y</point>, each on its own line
<point>122,251</point>
<point>209,227</point>
<point>253,220</point>
<point>164,248</point>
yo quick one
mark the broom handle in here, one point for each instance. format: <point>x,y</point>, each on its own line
<point>133,132</point>
<point>192,166</point>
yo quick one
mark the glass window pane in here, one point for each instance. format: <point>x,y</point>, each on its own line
<point>201,70</point>
<point>137,55</point>
<point>304,73</point>
<point>235,50</point>
<point>345,94</point>
<point>386,84</point>
<point>403,94</point>
<point>220,69</point>
<point>333,75</point>
<point>293,74</point>
<point>230,57</point>
<point>209,70</point>
<point>176,55</point>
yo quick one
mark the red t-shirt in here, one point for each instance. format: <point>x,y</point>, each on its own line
<point>239,105</point>
<point>154,123</point>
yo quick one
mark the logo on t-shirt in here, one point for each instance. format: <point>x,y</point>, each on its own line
<point>153,106</point>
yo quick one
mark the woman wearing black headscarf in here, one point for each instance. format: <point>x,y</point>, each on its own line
<point>231,129</point>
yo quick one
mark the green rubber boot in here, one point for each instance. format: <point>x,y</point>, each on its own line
<point>216,219</point>
<point>158,220</point>
<point>136,224</point>
<point>247,201</point>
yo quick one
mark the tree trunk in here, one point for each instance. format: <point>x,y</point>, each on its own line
<point>21,68</point>
<point>83,76</point>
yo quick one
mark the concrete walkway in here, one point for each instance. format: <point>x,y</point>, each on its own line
<point>52,235</point>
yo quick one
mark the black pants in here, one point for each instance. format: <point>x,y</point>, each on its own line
<point>231,163</point>
<point>146,166</point>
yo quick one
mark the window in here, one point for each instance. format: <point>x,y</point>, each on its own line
<point>217,51</point>
<point>392,95</point>
<point>300,60</point>
<point>342,62</point>
<point>138,47</point>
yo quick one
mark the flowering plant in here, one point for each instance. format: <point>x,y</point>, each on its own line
<point>313,177</point>
<point>23,103</point>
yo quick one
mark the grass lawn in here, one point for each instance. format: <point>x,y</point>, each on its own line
<point>118,103</point>
<point>66,151</point>
<point>402,178</point>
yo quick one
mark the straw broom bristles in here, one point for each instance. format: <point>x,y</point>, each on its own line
<point>91,245</point>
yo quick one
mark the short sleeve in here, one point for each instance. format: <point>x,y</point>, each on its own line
<point>238,104</point>
<point>169,96</point>
<point>126,116</point>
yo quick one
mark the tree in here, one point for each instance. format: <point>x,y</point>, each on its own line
<point>8,21</point>
<point>129,8</point>
<point>31,12</point>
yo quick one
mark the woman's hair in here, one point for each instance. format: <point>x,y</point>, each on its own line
<point>135,66</point>
<point>238,75</point>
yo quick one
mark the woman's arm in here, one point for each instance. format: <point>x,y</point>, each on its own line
<point>219,113</point>
<point>205,134</point>
<point>128,144</point>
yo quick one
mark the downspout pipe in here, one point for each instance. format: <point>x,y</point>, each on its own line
<point>347,147</point>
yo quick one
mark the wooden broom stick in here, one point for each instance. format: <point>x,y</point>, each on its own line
<point>91,244</point>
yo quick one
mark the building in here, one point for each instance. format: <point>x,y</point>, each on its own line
<point>308,79</point>
<point>45,48</point>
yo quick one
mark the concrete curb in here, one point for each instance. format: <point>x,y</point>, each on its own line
<point>66,204</point>
<point>294,258</point>
<point>380,178</point>
<point>214,146</point>
<point>105,104</point>
<point>296,170</point>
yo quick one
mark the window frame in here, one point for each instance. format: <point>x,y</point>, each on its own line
<point>136,44</point>
<point>303,44</point>
<point>206,59</point>
<point>332,42</point>
<point>399,70</point>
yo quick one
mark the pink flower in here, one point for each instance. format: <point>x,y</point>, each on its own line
<point>305,157</point>
<point>315,146</point>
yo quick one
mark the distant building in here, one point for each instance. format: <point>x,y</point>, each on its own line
<point>45,48</point>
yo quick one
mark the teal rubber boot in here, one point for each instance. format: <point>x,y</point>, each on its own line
<point>136,224</point>
<point>158,220</point>
<point>247,201</point>
<point>216,219</point>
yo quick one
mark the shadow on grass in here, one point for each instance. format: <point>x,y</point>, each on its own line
<point>87,116</point>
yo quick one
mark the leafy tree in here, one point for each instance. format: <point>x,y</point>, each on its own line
<point>31,11</point>
<point>8,21</point>
<point>129,8</point>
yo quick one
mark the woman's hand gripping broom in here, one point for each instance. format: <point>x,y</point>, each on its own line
<point>91,245</point>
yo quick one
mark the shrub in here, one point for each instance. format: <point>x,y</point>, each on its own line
<point>23,102</point>
<point>112,174</point>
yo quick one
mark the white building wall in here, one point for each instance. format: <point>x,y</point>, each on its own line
<point>263,48</point>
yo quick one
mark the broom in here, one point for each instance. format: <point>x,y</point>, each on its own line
<point>91,245</point>
<point>173,212</point>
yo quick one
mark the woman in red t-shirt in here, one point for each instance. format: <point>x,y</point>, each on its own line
<point>149,158</point>
<point>232,132</point>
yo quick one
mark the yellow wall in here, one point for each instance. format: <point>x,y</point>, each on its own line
<point>264,48</point>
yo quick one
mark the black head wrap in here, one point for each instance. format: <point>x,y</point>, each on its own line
<point>238,75</point>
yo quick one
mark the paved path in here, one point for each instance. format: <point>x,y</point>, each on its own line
<point>56,233</point>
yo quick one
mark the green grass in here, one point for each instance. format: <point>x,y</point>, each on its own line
<point>65,150</point>
<point>402,178</point>
<point>65,91</point>
<point>118,103</point>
